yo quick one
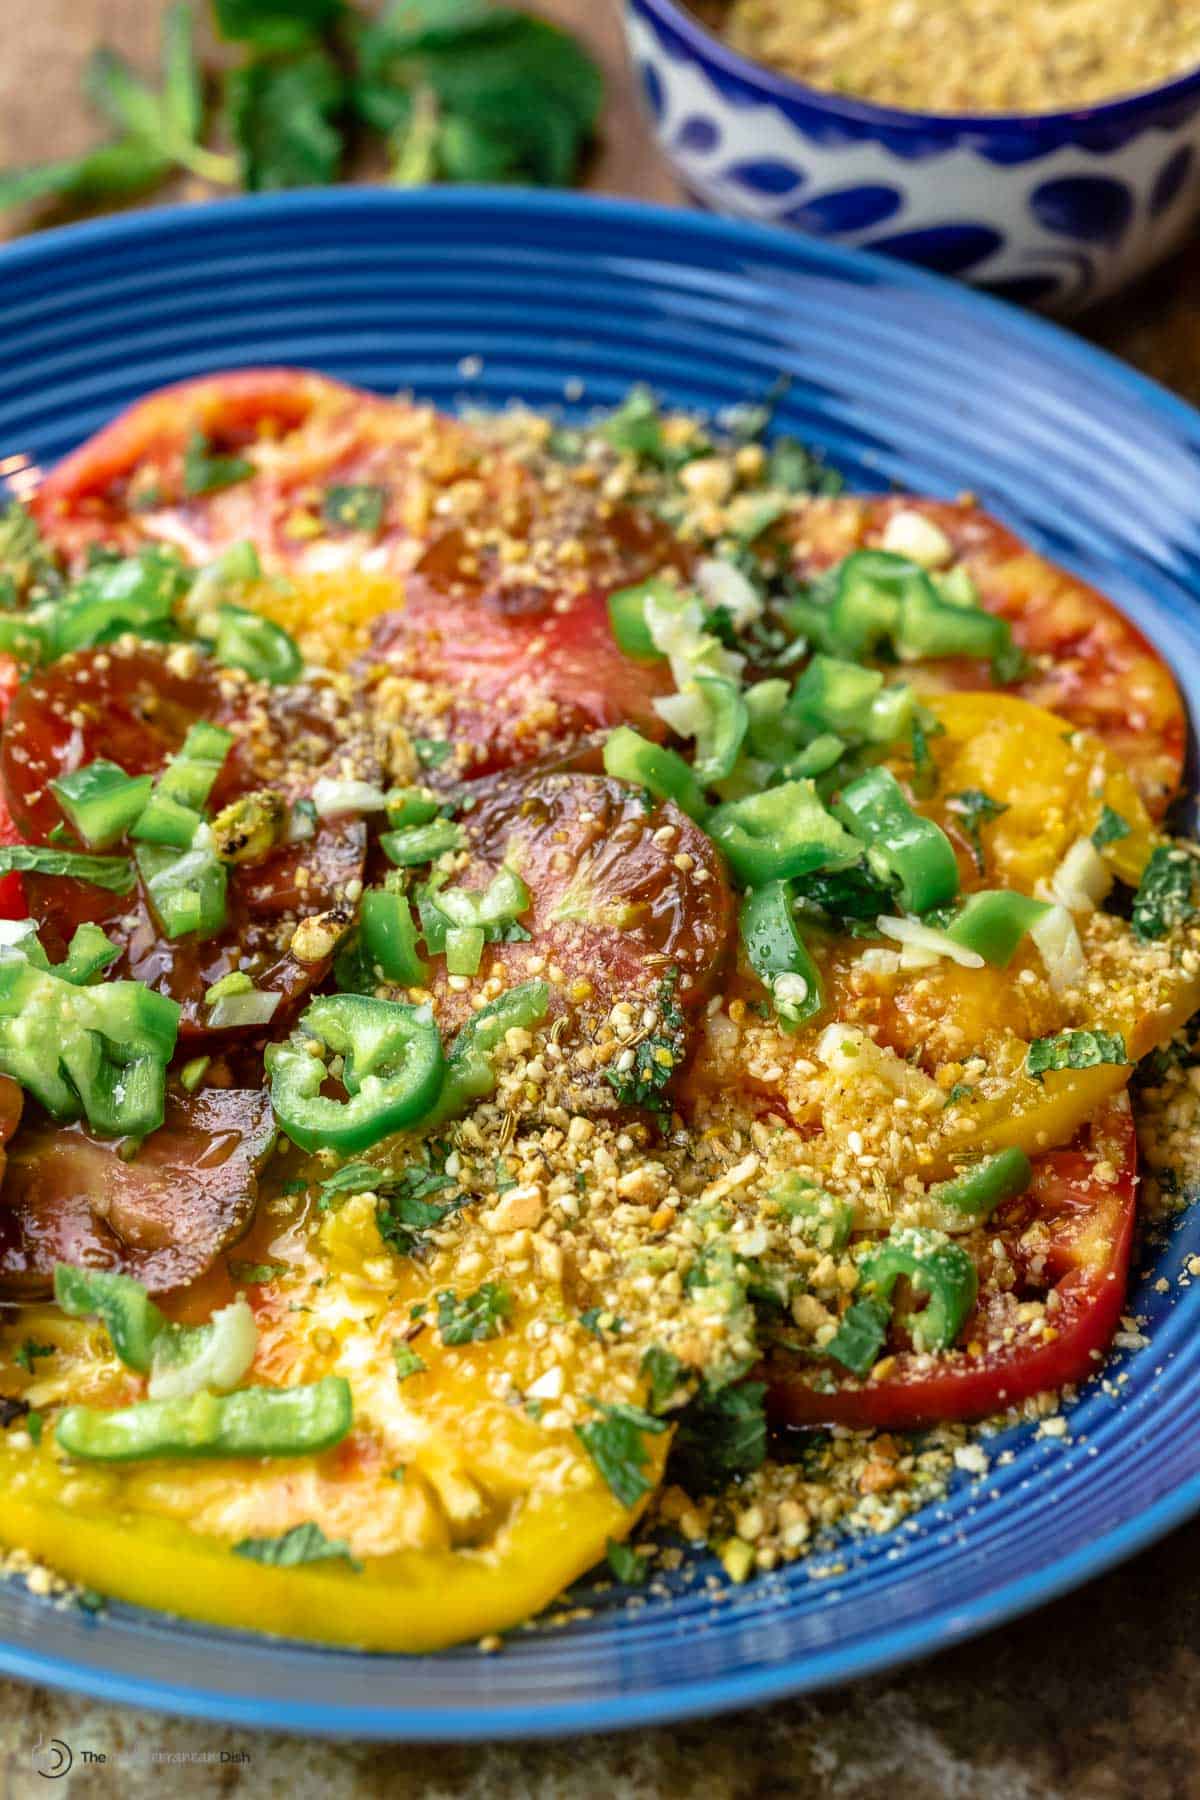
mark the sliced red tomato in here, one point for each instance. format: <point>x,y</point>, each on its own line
<point>620,893</point>
<point>508,674</point>
<point>163,1217</point>
<point>1090,663</point>
<point>12,890</point>
<point>1064,1247</point>
<point>129,703</point>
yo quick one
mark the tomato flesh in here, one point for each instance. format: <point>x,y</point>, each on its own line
<point>162,1217</point>
<point>611,908</point>
<point>130,705</point>
<point>1066,1242</point>
<point>1090,663</point>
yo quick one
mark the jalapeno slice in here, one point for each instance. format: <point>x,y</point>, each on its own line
<point>392,1071</point>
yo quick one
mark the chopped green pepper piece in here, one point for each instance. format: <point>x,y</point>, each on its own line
<point>246,640</point>
<point>389,938</point>
<point>88,954</point>
<point>469,1072</point>
<point>627,616</point>
<point>130,1317</point>
<point>778,954</point>
<point>993,923</point>
<point>978,1191</point>
<point>628,756</point>
<point>723,730</point>
<point>186,889</point>
<point>823,1219</point>
<point>257,1421</point>
<point>413,806</point>
<point>417,844</point>
<point>101,801</point>
<point>933,1266</point>
<point>782,832</point>
<point>843,698</point>
<point>913,850</point>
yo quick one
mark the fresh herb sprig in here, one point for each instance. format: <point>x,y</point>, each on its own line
<point>451,90</point>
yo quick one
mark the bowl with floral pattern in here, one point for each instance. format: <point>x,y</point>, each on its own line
<point>1052,209</point>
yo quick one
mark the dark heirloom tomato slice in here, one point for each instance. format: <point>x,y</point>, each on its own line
<point>134,705</point>
<point>1066,1242</point>
<point>1092,665</point>
<point>620,892</point>
<point>163,1217</point>
<point>510,683</point>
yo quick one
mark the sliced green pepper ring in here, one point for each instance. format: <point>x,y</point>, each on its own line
<point>993,923</point>
<point>628,756</point>
<point>936,1267</point>
<point>726,721</point>
<point>392,1069</point>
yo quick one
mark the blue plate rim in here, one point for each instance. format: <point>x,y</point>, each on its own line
<point>940,1629</point>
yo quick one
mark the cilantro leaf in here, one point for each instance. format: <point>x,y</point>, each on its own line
<point>852,898</point>
<point>304,1543</point>
<point>431,753</point>
<point>1165,896</point>
<point>1075,1050</point>
<point>975,809</point>
<point>626,1564</point>
<point>1110,828</point>
<point>616,1444</point>
<point>799,470</point>
<point>284,118</point>
<point>720,1436</point>
<point>204,473</point>
<point>406,1359</point>
<point>476,1316</point>
<point>635,428</point>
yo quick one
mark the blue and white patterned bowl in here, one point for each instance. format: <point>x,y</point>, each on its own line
<point>1053,209</point>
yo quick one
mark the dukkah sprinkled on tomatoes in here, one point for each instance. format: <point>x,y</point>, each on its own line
<point>542,968</point>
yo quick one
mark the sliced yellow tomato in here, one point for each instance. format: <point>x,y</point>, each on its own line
<point>412,1600</point>
<point>464,1490</point>
<point>1052,780</point>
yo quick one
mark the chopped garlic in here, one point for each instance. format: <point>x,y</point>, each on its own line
<point>911,534</point>
<point>923,937</point>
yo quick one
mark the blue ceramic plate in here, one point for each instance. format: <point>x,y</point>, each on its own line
<point>483,297</point>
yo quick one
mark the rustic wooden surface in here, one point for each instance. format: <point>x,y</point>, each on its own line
<point>1093,1698</point>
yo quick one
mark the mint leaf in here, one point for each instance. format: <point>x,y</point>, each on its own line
<point>304,1543</point>
<point>626,1564</point>
<point>1075,1050</point>
<point>112,872</point>
<point>1165,894</point>
<point>1110,828</point>
<point>616,1444</point>
<point>284,121</point>
<point>665,1373</point>
<point>476,1316</point>
<point>275,25</point>
<point>974,809</point>
<point>860,1336</point>
<point>406,1359</point>
<point>720,1436</point>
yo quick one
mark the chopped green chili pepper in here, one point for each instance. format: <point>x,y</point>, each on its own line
<point>849,701</point>
<point>97,1051</point>
<point>389,938</point>
<point>186,889</point>
<point>778,954</point>
<point>88,954</point>
<point>392,1070</point>
<point>417,844</point>
<point>784,831</point>
<point>130,1317</point>
<point>173,813</point>
<point>627,616</point>
<point>464,949</point>
<point>413,806</point>
<point>912,849</point>
<point>102,801</point>
<point>723,728</point>
<point>884,599</point>
<point>934,1266</point>
<point>628,756</point>
<point>355,506</point>
<point>246,640</point>
<point>980,1190</point>
<point>820,1218</point>
<point>469,1072</point>
<point>993,923</point>
<point>256,1421</point>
